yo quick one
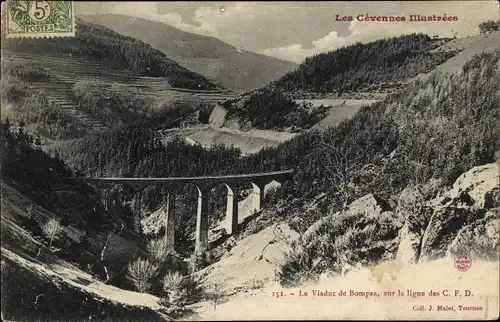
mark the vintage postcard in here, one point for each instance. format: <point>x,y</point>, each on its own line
<point>201,161</point>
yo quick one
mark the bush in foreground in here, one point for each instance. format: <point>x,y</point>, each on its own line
<point>180,291</point>
<point>348,240</point>
<point>140,273</point>
<point>52,229</point>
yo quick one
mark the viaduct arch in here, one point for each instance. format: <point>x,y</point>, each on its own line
<point>257,180</point>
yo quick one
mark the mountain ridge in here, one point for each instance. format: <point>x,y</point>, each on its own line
<point>234,68</point>
<point>97,42</point>
<point>359,71</point>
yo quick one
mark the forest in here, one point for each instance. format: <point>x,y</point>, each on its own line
<point>98,43</point>
<point>455,115</point>
<point>427,134</point>
<point>48,181</point>
<point>137,150</point>
<point>120,108</point>
<point>270,108</point>
<point>357,66</point>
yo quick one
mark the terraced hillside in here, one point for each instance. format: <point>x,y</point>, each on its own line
<point>66,71</point>
<point>236,69</point>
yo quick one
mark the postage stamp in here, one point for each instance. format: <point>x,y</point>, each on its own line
<point>37,19</point>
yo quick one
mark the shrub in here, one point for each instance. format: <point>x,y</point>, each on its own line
<point>348,240</point>
<point>478,243</point>
<point>411,200</point>
<point>295,268</point>
<point>140,273</point>
<point>31,72</point>
<point>433,187</point>
<point>256,283</point>
<point>412,206</point>
<point>176,294</point>
<point>216,294</point>
<point>29,210</point>
<point>158,249</point>
<point>488,26</point>
<point>52,229</point>
<point>180,291</point>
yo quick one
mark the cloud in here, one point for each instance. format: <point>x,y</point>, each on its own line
<point>295,30</point>
<point>207,19</point>
<point>468,19</point>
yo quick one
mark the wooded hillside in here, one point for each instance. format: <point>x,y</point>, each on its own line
<point>360,65</point>
<point>455,115</point>
<point>102,44</point>
<point>233,68</point>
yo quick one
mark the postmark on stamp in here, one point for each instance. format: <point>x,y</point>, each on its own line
<point>36,19</point>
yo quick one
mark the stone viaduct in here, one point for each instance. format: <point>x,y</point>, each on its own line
<point>258,181</point>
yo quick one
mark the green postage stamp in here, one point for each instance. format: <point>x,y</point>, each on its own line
<point>35,19</point>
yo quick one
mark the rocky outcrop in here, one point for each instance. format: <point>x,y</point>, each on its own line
<point>379,224</point>
<point>465,219</point>
<point>218,116</point>
<point>154,223</point>
<point>250,261</point>
<point>481,183</point>
<point>368,204</point>
<point>428,223</point>
<point>446,222</point>
<point>364,234</point>
<point>417,214</point>
<point>479,240</point>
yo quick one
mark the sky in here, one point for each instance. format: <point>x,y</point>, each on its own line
<point>295,30</point>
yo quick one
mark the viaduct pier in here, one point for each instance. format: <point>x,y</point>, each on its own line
<point>257,180</point>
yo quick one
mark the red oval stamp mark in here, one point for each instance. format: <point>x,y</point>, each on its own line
<point>463,263</point>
